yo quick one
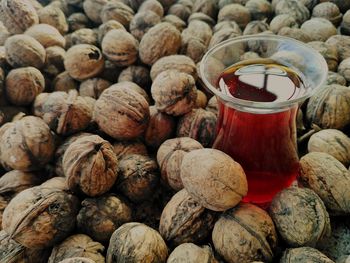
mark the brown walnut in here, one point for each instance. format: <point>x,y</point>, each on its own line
<point>104,28</point>
<point>137,74</point>
<point>115,10</point>
<point>191,253</point>
<point>304,254</point>
<point>342,43</point>
<point>329,52</point>
<point>319,29</point>
<point>293,8</point>
<point>152,5</point>
<point>142,22</point>
<point>54,61</point>
<point>84,36</point>
<point>64,82</point>
<point>93,87</point>
<point>283,20</point>
<point>235,12</point>
<point>46,35</point>
<point>329,11</point>
<point>77,21</point>
<point>54,16</point>
<point>124,148</point>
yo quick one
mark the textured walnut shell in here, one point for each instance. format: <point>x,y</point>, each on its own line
<point>342,43</point>
<point>100,217</point>
<point>83,36</point>
<point>328,178</point>
<point>191,253</point>
<point>330,107</point>
<point>152,5</point>
<point>83,61</point>
<point>169,157</point>
<point>185,220</point>
<point>26,144</point>
<point>202,17</point>
<point>142,22</point>
<point>161,40</point>
<point>213,179</point>
<point>175,21</point>
<point>122,113</point>
<point>40,217</point>
<point>127,85</point>
<point>293,8</point>
<point>3,204</point>
<point>295,33</point>
<point>93,87</point>
<point>213,106</point>
<point>136,243</point>
<point>138,177</point>
<point>304,254</point>
<point>24,51</point>
<point>244,234</point>
<point>227,24</point>
<point>77,21</point>
<point>210,8</point>
<point>197,29</point>
<point>56,183</point>
<point>329,11</point>
<point>120,47</point>
<point>106,27</point>
<point>77,260</point>
<point>137,74</point>
<point>54,16</point>
<point>90,165</point>
<point>118,11</point>
<point>256,27</point>
<point>4,34</point>
<point>329,52</point>
<point>344,69</point>
<point>124,148</point>
<point>54,61</point>
<point>93,8</point>
<point>235,12</point>
<point>18,15</point>
<point>202,99</point>
<point>23,85</point>
<point>259,9</point>
<point>174,92</point>
<point>66,113</point>
<point>300,217</point>
<point>319,29</point>
<point>345,24</point>
<point>180,10</point>
<point>46,35</point>
<point>335,78</point>
<point>64,82</point>
<point>78,245</point>
<point>283,20</point>
<point>198,124</point>
<point>222,35</point>
<point>333,142</point>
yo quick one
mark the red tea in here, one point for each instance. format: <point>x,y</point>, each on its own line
<point>263,143</point>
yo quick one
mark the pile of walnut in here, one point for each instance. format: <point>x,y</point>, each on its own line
<point>106,131</point>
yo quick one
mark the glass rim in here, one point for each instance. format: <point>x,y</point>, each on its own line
<point>254,104</point>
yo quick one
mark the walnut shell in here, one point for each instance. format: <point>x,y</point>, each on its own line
<point>329,11</point>
<point>202,17</point>
<point>46,35</point>
<point>152,5</point>
<point>122,113</point>
<point>120,47</point>
<point>24,51</point>
<point>90,165</point>
<point>259,9</point>
<point>23,85</point>
<point>100,217</point>
<point>77,260</point>
<point>3,204</point>
<point>170,155</point>
<point>330,107</point>
<point>333,142</point>
<point>202,99</point>
<point>227,24</point>
<point>142,22</point>
<point>18,15</point>
<point>300,217</point>
<point>256,27</point>
<point>345,24</point>
<point>64,82</point>
<point>222,35</point>
<point>54,61</point>
<point>235,12</point>
<point>213,106</point>
<point>83,61</point>
<point>304,254</point>
<point>78,245</point>
<point>329,52</point>
<point>118,11</point>
<point>93,8</point>
<point>124,148</point>
<point>328,178</point>
<point>136,243</point>
<point>78,21</point>
<point>26,144</point>
<point>283,20</point>
<point>342,43</point>
<point>213,179</point>
<point>175,21</point>
<point>161,40</point>
<point>293,8</point>
<point>344,69</point>
<point>319,29</point>
<point>84,36</point>
<point>244,234</point>
<point>191,253</point>
<point>198,124</point>
<point>137,74</point>
<point>40,217</point>
<point>174,92</point>
<point>184,220</point>
<point>180,10</point>
<point>197,29</point>
<point>93,87</point>
<point>54,16</point>
<point>295,33</point>
<point>138,177</point>
<point>209,8</point>
<point>104,28</point>
<point>335,78</point>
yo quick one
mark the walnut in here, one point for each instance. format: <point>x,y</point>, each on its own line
<point>120,47</point>
<point>40,217</point>
<point>191,253</point>
<point>209,8</point>
<point>197,29</point>
<point>26,144</point>
<point>174,92</point>
<point>319,29</point>
<point>202,17</point>
<point>283,20</point>
<point>259,9</point>
<point>345,24</point>
<point>118,11</point>
<point>213,105</point>
<point>198,124</point>
<point>327,177</point>
<point>152,5</point>
<point>124,148</point>
<point>335,78</point>
<point>84,36</point>
<point>235,12</point>
<point>54,61</point>
<point>90,165</point>
<point>104,28</point>
<point>55,17</point>
<point>138,177</point>
<point>93,8</point>
<point>256,27</point>
<point>304,254</point>
<point>342,43</point>
<point>65,113</point>
<point>329,52</point>
<point>244,234</point>
<point>18,15</point>
<point>249,55</point>
<point>293,8</point>
<point>93,87</point>
<point>122,113</point>
<point>142,22</point>
<point>222,35</point>
<point>77,21</point>
<point>295,33</point>
<point>3,204</point>
<point>111,72</point>
<point>136,242</point>
<point>193,47</point>
<point>83,61</point>
<point>185,220</point>
<point>344,69</point>
<point>137,74</point>
<point>218,184</point>
<point>330,107</point>
<point>23,85</point>
<point>4,34</point>
<point>175,21</point>
<point>202,100</point>
<point>46,35</point>
<point>161,40</point>
<point>77,260</point>
<point>329,11</point>
<point>63,5</point>
<point>24,51</point>
<point>228,24</point>
<point>333,142</point>
<point>160,128</point>
<point>180,10</point>
<point>223,3</point>
<point>64,82</point>
<point>78,245</point>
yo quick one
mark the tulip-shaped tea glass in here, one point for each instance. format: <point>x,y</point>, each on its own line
<point>259,82</point>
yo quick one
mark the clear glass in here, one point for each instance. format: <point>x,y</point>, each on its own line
<point>261,136</point>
